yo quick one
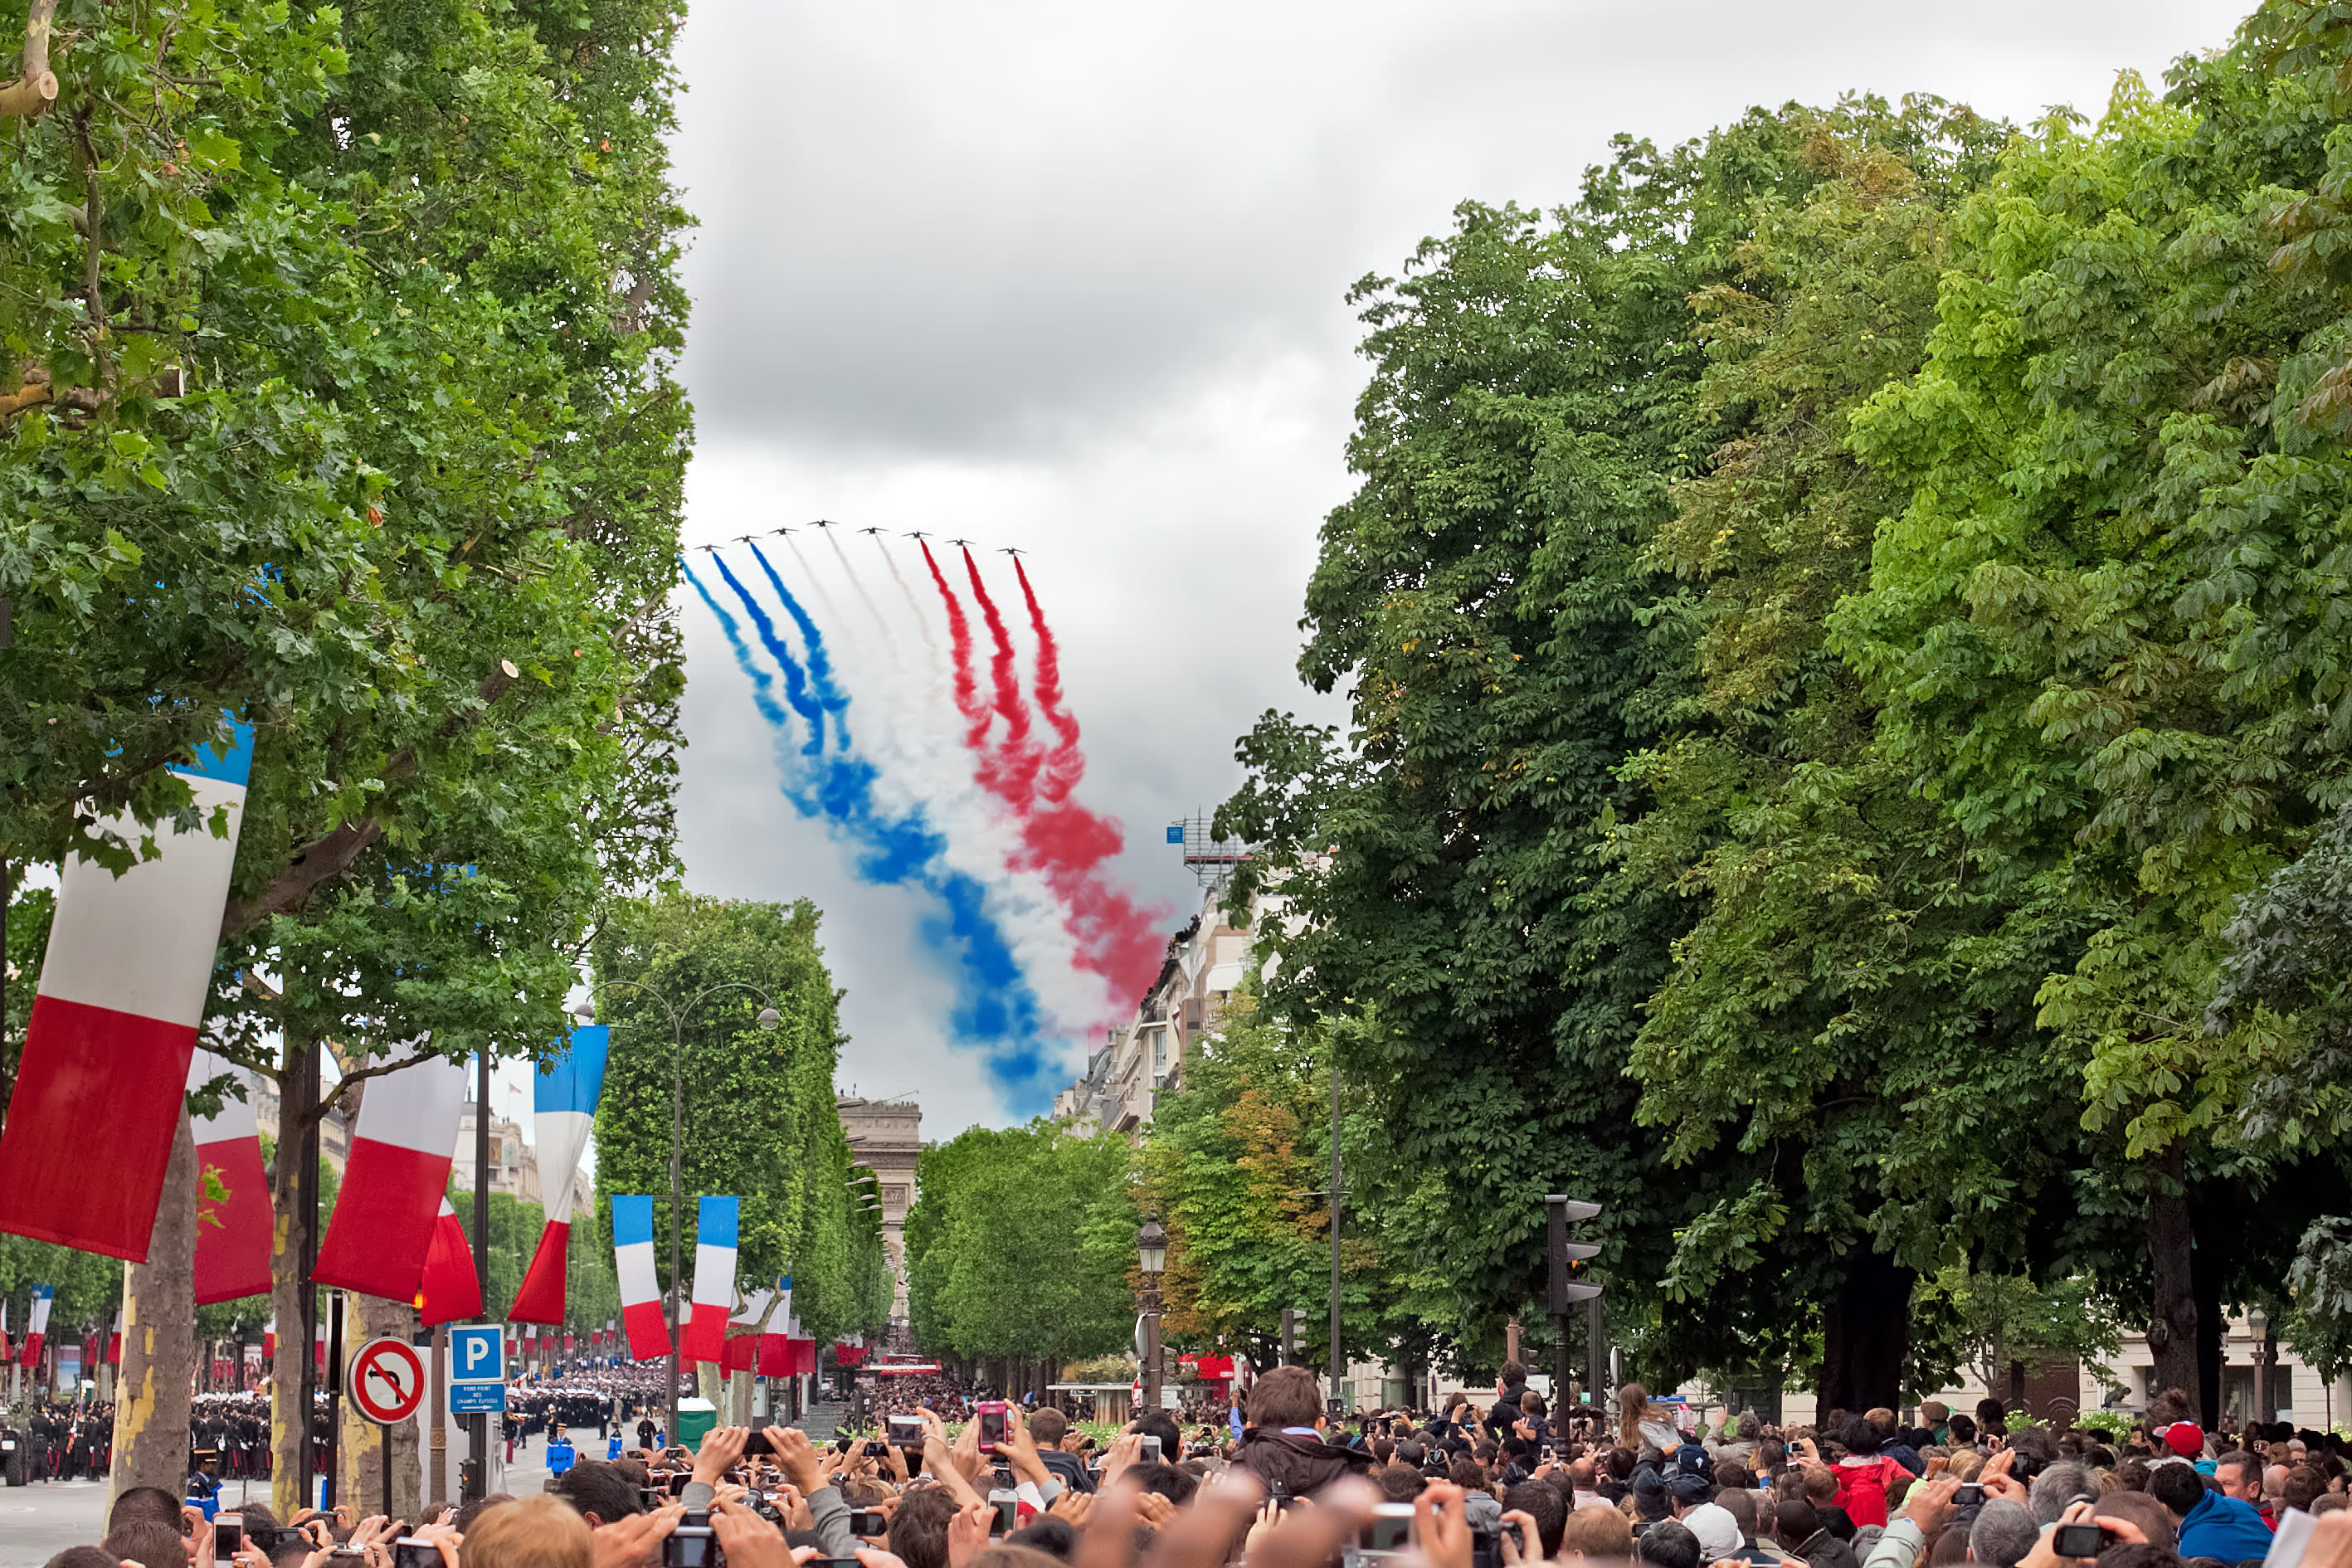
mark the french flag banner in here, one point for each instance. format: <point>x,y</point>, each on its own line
<point>123,986</point>
<point>269,1341</point>
<point>114,1340</point>
<point>563,1110</point>
<point>319,1343</point>
<point>392,1183</point>
<point>37,1323</point>
<point>452,1291</point>
<point>714,1279</point>
<point>5,1356</point>
<point>633,1261</point>
<point>233,1234</point>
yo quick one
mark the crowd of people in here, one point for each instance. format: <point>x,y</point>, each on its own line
<point>1477,1485</point>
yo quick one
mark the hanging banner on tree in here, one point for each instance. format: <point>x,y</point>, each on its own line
<point>232,1231</point>
<point>382,1229</point>
<point>563,1111</point>
<point>123,986</point>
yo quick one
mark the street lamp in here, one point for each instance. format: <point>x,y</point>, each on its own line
<point>1151,1256</point>
<point>768,1019</point>
<point>2257,1324</point>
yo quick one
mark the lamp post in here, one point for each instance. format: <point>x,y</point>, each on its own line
<point>2257,1324</point>
<point>1151,1254</point>
<point>768,1019</point>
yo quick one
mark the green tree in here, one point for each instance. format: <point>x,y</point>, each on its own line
<point>1022,1245</point>
<point>2107,626</point>
<point>1500,596</point>
<point>338,393</point>
<point>758,1119</point>
<point>1238,1162</point>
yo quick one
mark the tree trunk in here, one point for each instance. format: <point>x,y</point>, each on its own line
<point>159,1336</point>
<point>2171,1254</point>
<point>2215,1223</point>
<point>360,1476</point>
<point>1866,1334</point>
<point>290,1424</point>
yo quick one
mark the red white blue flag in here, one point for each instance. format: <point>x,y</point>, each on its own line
<point>714,1280</point>
<point>633,1261</point>
<point>232,1231</point>
<point>563,1110</point>
<point>123,986</point>
<point>395,1182</point>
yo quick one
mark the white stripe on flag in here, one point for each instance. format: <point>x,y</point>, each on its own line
<point>144,942</point>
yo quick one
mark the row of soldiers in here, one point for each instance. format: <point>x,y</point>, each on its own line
<point>64,1440</point>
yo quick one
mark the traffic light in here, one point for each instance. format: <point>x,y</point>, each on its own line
<point>1569,1284</point>
<point>1568,1258</point>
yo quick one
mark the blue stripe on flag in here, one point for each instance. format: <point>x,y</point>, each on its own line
<point>577,1077</point>
<point>715,1226</point>
<point>633,1221</point>
<point>44,1292</point>
<point>231,763</point>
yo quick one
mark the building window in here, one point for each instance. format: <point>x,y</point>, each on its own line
<point>1158,1051</point>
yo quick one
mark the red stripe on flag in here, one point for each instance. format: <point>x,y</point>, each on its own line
<point>648,1333</point>
<point>706,1333</point>
<point>92,1078</point>
<point>775,1356</point>
<point>451,1289</point>
<point>233,1234</point>
<point>382,1230</point>
<point>541,1299</point>
<point>742,1351</point>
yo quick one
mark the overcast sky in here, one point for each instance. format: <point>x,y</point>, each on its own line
<point>1071,276</point>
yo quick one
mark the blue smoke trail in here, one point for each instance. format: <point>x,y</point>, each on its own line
<point>995,1008</point>
<point>820,664</point>
<point>797,690</point>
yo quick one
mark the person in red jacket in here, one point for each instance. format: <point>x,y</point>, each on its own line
<point>1864,1474</point>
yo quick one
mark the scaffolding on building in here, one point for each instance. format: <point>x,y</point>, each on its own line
<point>1210,859</point>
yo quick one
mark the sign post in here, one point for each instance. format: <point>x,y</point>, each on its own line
<point>477,1386</point>
<point>386,1385</point>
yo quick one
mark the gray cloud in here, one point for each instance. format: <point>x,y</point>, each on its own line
<point>1072,277</point>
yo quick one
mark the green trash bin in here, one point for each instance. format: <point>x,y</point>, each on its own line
<point>696,1417</point>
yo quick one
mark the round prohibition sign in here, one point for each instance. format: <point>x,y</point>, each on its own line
<point>387,1381</point>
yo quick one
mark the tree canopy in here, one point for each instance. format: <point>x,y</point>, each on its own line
<point>759,1122</point>
<point>1837,620</point>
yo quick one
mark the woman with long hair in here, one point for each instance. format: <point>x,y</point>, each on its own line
<point>1643,1428</point>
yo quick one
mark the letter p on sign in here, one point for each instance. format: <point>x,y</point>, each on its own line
<point>477,1354</point>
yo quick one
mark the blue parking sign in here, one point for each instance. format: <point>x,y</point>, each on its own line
<point>477,1354</point>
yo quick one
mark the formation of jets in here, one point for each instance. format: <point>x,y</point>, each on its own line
<point>827,522</point>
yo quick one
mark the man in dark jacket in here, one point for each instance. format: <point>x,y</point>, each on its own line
<point>1051,1428</point>
<point>1506,1410</point>
<point>1284,1445</point>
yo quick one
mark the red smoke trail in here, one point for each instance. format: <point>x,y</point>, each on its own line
<point>1016,758</point>
<point>1066,764</point>
<point>967,690</point>
<point>1116,938</point>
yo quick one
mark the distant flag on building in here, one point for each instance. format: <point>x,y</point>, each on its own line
<point>563,1109</point>
<point>451,1291</point>
<point>233,1233</point>
<point>123,984</point>
<point>37,1323</point>
<point>633,1262</point>
<point>714,1279</point>
<point>394,1181</point>
<point>114,1340</point>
